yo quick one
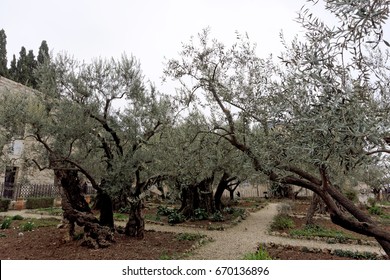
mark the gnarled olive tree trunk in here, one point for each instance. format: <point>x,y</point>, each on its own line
<point>77,211</point>
<point>197,196</point>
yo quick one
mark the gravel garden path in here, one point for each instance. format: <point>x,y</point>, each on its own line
<point>233,243</point>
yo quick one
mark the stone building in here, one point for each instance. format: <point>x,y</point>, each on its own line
<point>16,167</point>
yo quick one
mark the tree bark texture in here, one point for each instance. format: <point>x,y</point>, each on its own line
<point>77,211</point>
<point>135,226</point>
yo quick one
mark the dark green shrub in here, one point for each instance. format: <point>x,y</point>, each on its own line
<point>6,223</point>
<point>200,214</point>
<point>176,218</point>
<point>17,218</point>
<point>282,222</point>
<point>39,202</point>
<point>4,204</point>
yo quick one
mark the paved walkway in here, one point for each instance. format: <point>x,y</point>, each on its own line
<point>233,243</point>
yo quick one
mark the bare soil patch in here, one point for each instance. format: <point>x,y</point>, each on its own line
<point>46,243</point>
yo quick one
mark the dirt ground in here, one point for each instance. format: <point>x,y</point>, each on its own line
<point>46,243</point>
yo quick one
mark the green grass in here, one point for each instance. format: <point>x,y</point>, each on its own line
<point>43,222</point>
<point>120,217</point>
<point>319,231</point>
<point>52,211</point>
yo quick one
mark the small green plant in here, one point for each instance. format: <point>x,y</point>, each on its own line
<point>375,210</point>
<point>261,254</point>
<point>176,218</point>
<point>319,231</point>
<point>355,255</point>
<point>228,210</point>
<point>165,256</point>
<point>164,211</point>
<point>200,214</point>
<point>2,235</point>
<point>6,223</point>
<point>282,222</point>
<point>28,226</point>
<point>217,217</point>
<point>17,218</point>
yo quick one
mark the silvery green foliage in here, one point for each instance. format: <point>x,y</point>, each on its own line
<point>96,117</point>
<point>317,105</point>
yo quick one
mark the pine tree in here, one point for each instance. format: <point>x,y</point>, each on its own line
<point>43,53</point>
<point>3,54</point>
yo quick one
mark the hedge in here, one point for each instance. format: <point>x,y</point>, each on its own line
<point>39,202</point>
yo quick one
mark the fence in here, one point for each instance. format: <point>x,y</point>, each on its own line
<point>15,191</point>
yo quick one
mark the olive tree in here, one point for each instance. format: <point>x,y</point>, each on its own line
<point>80,131</point>
<point>319,115</point>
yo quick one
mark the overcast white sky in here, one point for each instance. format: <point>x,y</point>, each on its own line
<point>148,29</point>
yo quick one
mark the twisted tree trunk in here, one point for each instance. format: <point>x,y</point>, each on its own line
<point>77,211</point>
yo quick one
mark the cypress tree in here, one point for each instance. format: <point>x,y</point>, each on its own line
<point>22,75</point>
<point>31,66</point>
<point>3,54</point>
<point>43,52</point>
<point>13,70</point>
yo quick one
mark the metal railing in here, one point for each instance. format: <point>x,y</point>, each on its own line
<point>15,191</point>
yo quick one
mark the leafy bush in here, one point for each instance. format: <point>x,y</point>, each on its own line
<point>261,254</point>
<point>176,217</point>
<point>39,202</point>
<point>29,226</point>
<point>200,214</point>
<point>228,210</point>
<point>6,223</point>
<point>282,222</point>
<point>217,217</point>
<point>375,210</point>
<point>17,218</point>
<point>164,211</point>
<point>4,204</point>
